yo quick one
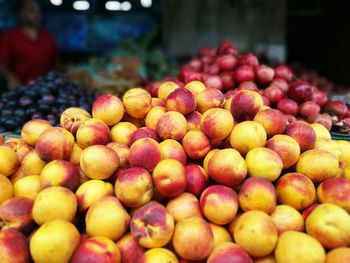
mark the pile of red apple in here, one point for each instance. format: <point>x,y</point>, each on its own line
<point>225,69</point>
<point>185,175</point>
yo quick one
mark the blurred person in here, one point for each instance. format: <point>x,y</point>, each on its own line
<point>27,51</point>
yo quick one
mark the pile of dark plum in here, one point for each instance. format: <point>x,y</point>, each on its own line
<point>44,98</point>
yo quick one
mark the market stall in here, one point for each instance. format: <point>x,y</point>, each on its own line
<point>222,156</point>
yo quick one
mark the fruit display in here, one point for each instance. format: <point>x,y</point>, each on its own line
<point>182,173</point>
<point>44,98</point>
<point>223,68</point>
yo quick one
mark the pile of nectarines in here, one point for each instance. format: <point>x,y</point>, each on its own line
<point>184,176</point>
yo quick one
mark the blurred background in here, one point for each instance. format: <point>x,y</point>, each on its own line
<point>151,37</point>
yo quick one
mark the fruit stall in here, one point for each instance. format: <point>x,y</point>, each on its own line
<point>231,161</point>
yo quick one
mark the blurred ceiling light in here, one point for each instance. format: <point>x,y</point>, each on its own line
<point>56,2</point>
<point>81,5</point>
<point>146,3</point>
<point>113,5</point>
<point>125,6</point>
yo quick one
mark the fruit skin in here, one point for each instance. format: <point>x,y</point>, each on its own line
<point>184,206</point>
<point>32,129</point>
<point>219,204</point>
<point>274,94</point>
<point>329,146</point>
<point>172,125</point>
<point>307,211</point>
<point>16,213</point>
<point>303,133</point>
<point>154,115</point>
<point>172,149</point>
<point>344,148</point>
<point>181,100</point>
<point>264,74</point>
<point>9,161</point>
<point>248,59</point>
<point>74,158</point>
<point>91,191</point>
<point>245,85</point>
<point>113,224</point>
<point>169,183</point>
<point>32,164</point>
<point>140,151</point>
<point>257,226</point>
<point>300,91</point>
<point>129,249</point>
<point>99,162</point>
<point>208,157</point>
<point>55,241</point>
<point>121,150</point>
<point>283,72</point>
<point>60,173</point>
<point>257,194</point>
<point>196,178</point>
<point>96,249</point>
<point>320,97</point>
<point>229,252</point>
<point>166,88</point>
<point>14,247</point>
<point>293,246</point>
<point>318,165</point>
<point>151,225</point>
<point>196,144</point>
<point>295,190</point>
<point>333,190</point>
<point>108,108</point>
<point>227,167</point>
<point>157,102</point>
<point>273,121</point>
<point>245,105</point>
<point>281,83</point>
<point>264,163</point>
<point>209,98</point>
<point>137,102</point>
<point>287,218</point>
<point>28,186</point>
<point>93,132</point>
<point>309,109</point>
<point>336,108</point>
<point>244,73</point>
<point>336,255</point>
<point>138,123</point>
<point>158,255</point>
<point>143,132</point>
<point>267,259</point>
<point>55,202</point>
<point>286,147</point>
<point>21,149</point>
<point>217,123</point>
<point>193,239</point>
<point>247,135</point>
<point>6,189</point>
<point>55,144</point>
<point>122,132</point>
<point>288,106</point>
<point>195,87</point>
<point>329,224</point>
<point>134,187</point>
<point>220,234</point>
<point>72,118</point>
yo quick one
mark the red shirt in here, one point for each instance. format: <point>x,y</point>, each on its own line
<point>26,58</point>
